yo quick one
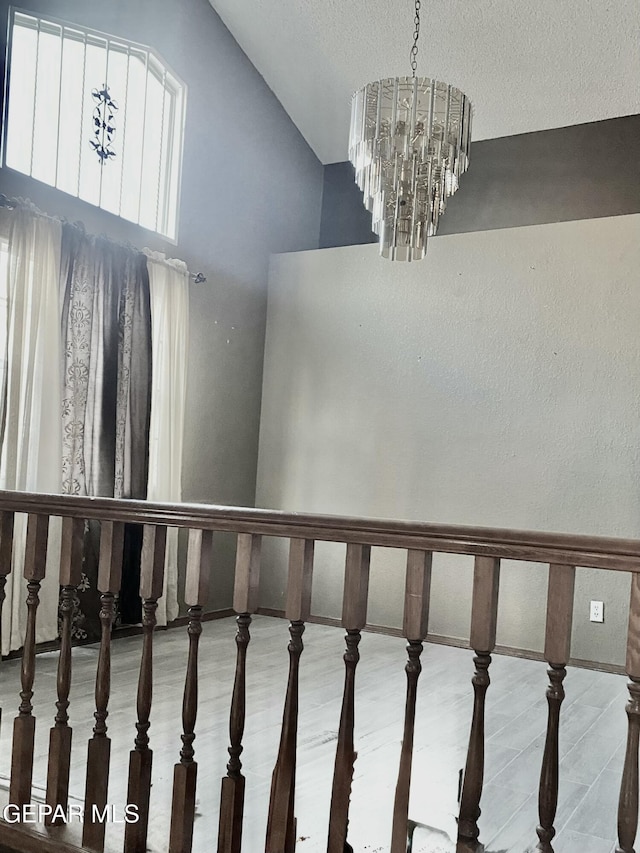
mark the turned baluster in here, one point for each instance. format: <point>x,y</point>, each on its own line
<point>245,602</point>
<point>154,541</point>
<point>281,826</point>
<point>99,746</point>
<point>24,726</point>
<point>415,626</point>
<point>484,616</point>
<point>354,618</point>
<point>185,773</point>
<point>628,802</point>
<point>557,651</point>
<point>6,554</point>
<point>60,734</point>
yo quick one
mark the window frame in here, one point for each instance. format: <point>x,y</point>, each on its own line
<point>155,65</point>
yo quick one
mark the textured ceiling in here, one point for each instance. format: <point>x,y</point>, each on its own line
<point>526,64</point>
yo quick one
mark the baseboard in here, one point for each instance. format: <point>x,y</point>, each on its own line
<point>41,648</point>
<point>180,622</point>
<point>126,631</point>
<point>438,639</point>
<point>456,642</point>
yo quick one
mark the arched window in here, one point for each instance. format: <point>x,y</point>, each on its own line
<point>97,117</point>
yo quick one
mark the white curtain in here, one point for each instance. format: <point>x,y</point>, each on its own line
<point>31,439</point>
<point>169,287</point>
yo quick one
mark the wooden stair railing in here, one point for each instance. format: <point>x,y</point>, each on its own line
<point>60,735</point>
<point>414,627</point>
<point>245,602</point>
<point>557,651</point>
<point>484,620</point>
<point>154,540</point>
<point>99,747</point>
<point>628,802</point>
<point>354,618</point>
<point>6,556</point>
<point>561,553</point>
<point>24,726</point>
<point>281,825</point>
<point>183,806</point>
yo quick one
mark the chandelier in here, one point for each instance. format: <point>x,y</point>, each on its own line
<point>409,142</point>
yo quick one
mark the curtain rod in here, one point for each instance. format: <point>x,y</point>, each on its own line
<point>13,203</point>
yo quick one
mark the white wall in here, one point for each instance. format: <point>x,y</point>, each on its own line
<point>496,383</point>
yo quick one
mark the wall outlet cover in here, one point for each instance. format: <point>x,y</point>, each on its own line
<point>596,611</point>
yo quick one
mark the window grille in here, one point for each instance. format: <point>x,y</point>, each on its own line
<point>97,117</point>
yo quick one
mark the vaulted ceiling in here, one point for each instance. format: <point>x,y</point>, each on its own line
<point>526,64</point>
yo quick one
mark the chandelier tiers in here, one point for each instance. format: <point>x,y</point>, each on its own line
<point>409,142</point>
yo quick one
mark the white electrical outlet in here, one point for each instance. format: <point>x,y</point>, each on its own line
<point>596,611</point>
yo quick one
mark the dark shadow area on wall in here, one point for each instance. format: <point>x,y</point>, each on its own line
<point>584,171</point>
<point>344,220</point>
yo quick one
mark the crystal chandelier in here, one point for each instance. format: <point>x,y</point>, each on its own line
<point>409,142</point>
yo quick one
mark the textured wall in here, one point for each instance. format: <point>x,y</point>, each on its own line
<point>524,65</point>
<point>250,186</point>
<point>495,383</point>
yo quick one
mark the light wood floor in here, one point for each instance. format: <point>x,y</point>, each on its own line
<point>593,733</point>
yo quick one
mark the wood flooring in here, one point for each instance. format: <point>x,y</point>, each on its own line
<point>593,731</point>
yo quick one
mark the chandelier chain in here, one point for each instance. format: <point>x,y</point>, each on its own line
<point>416,36</point>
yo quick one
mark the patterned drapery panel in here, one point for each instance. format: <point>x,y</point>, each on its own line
<point>106,400</point>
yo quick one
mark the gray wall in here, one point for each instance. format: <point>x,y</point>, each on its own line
<point>566,173</point>
<point>495,383</point>
<point>250,186</point>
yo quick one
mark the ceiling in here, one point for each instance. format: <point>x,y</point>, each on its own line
<point>526,64</point>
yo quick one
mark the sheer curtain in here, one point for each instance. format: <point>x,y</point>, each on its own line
<point>30,421</point>
<point>81,409</point>
<point>169,287</point>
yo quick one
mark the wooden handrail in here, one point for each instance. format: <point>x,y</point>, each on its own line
<point>561,552</point>
<point>544,547</point>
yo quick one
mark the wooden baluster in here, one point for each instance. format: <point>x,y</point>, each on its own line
<point>6,553</point>
<point>628,802</point>
<point>354,618</point>
<point>60,735</point>
<point>281,826</point>
<point>154,541</point>
<point>557,650</point>
<point>196,594</point>
<point>484,617</point>
<point>415,626</point>
<point>99,747</point>
<point>245,602</point>
<point>24,725</point>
